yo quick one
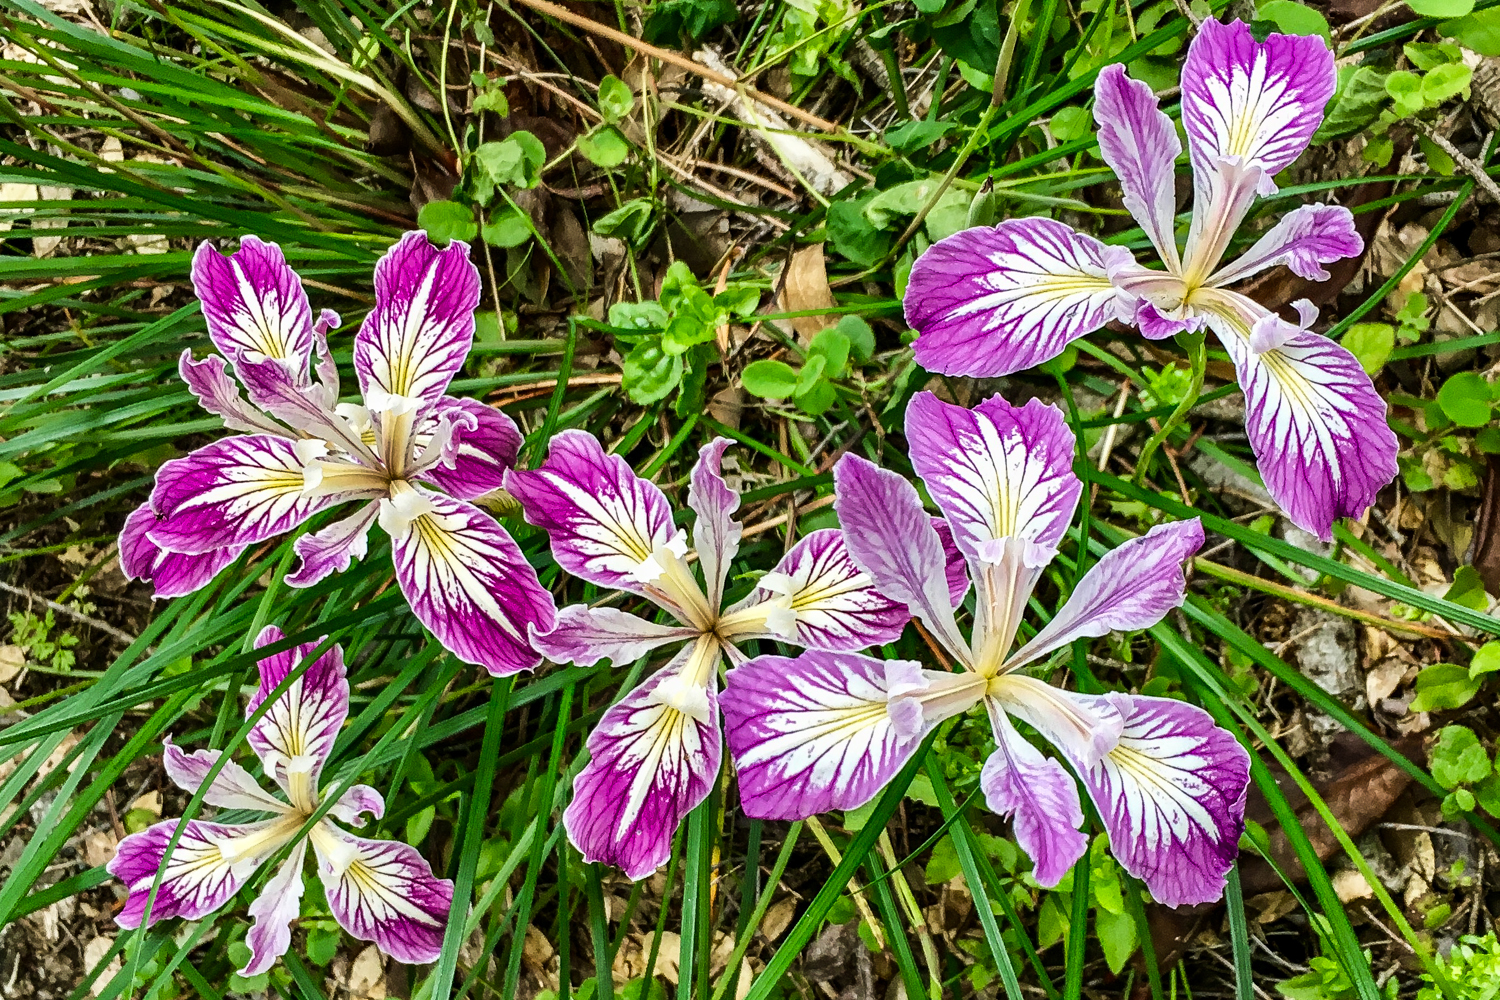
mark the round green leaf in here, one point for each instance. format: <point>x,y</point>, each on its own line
<point>446,221</point>
<point>769,379</point>
<point>1293,18</point>
<point>507,228</point>
<point>1371,344</point>
<point>833,346</point>
<point>650,372</point>
<point>605,147</point>
<point>615,98</point>
<point>1465,400</point>
<point>861,337</point>
<point>1441,8</point>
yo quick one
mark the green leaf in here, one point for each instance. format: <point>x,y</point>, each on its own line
<point>861,338</point>
<point>769,379</point>
<point>684,331</point>
<point>1405,88</point>
<point>1117,936</point>
<point>1458,758</point>
<point>1447,81</point>
<point>1431,55</point>
<point>1071,123</point>
<point>1468,590</point>
<point>1293,18</point>
<point>854,236</point>
<point>738,300</point>
<point>515,160</point>
<point>676,283</point>
<point>1437,157</point>
<point>492,98</point>
<point>648,315</point>
<point>943,866</point>
<point>604,147</point>
<point>651,373</point>
<point>418,825</point>
<point>507,227</point>
<point>817,398</point>
<point>813,369</point>
<point>1370,343</point>
<point>1465,399</point>
<point>1441,8</point>
<point>630,221</point>
<point>834,348</point>
<point>1479,31</point>
<point>1356,103</point>
<point>673,20</point>
<point>1444,685</point>
<point>919,133</point>
<point>1486,660</point>
<point>615,98</point>
<point>323,943</point>
<point>446,221</point>
<point>692,397</point>
<point>1487,794</point>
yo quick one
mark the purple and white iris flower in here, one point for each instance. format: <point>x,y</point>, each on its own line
<point>990,302</point>
<point>378,890</point>
<point>827,731</point>
<point>656,753</point>
<point>302,451</point>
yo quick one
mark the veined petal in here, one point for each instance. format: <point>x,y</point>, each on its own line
<point>585,635</point>
<point>273,911</point>
<point>651,764</point>
<point>1132,587</point>
<point>232,788</point>
<point>813,733</point>
<point>819,598</point>
<point>990,302</point>
<point>294,738</point>
<point>604,520</point>
<point>208,380</point>
<point>1172,796</point>
<point>891,537</point>
<point>234,492</point>
<point>1304,240</point>
<point>172,574</point>
<point>1083,727</point>
<point>997,471</point>
<point>1315,420</point>
<point>419,333</point>
<point>716,534</point>
<point>300,404</point>
<point>480,456</point>
<point>1140,144</point>
<point>331,549</point>
<point>254,305</point>
<point>209,865</point>
<point>1040,797</point>
<point>384,891</point>
<point>958,573</point>
<point>467,581</point>
<point>356,803</point>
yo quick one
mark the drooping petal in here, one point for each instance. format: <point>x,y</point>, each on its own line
<point>604,520</point>
<point>419,333</point>
<point>1040,797</point>
<point>1315,421</point>
<point>819,598</point>
<point>650,764</point>
<point>1304,240</point>
<point>1132,587</point>
<point>481,456</point>
<point>172,574</point>
<point>296,735</point>
<point>891,537</point>
<point>813,733</point>
<point>273,911</point>
<point>990,302</point>
<point>209,865</point>
<point>357,802</point>
<point>467,581</point>
<point>997,471</point>
<point>958,573</point>
<point>716,534</point>
<point>1172,796</point>
<point>208,380</point>
<point>234,492</point>
<point>331,549</point>
<point>1140,144</point>
<point>585,635</point>
<point>232,788</point>
<point>385,892</point>
<point>254,305</point>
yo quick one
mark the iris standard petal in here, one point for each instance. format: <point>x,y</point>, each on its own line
<point>716,534</point>
<point>254,305</point>
<point>1140,144</point>
<point>1305,239</point>
<point>232,788</point>
<point>480,457</point>
<point>296,735</point>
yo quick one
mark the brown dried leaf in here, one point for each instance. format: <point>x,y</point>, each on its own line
<point>778,918</point>
<point>806,288</point>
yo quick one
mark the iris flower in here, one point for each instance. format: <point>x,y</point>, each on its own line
<point>828,731</point>
<point>302,451</point>
<point>990,302</point>
<point>378,890</point>
<point>656,753</point>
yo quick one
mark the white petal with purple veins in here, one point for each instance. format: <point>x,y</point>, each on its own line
<point>273,911</point>
<point>172,574</point>
<point>331,549</point>
<point>1040,797</point>
<point>254,304</point>
<point>296,735</point>
<point>585,635</point>
<point>1140,144</point>
<point>232,788</point>
<point>385,892</point>
<point>716,534</point>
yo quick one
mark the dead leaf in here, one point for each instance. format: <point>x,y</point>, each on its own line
<point>805,288</point>
<point>668,957</point>
<point>93,953</point>
<point>99,848</point>
<point>778,918</point>
<point>367,975</point>
<point>12,662</point>
<point>1270,907</point>
<point>1350,884</point>
<point>1486,554</point>
<point>537,951</point>
<point>150,802</point>
<point>1384,678</point>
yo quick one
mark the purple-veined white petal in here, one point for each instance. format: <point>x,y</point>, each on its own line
<point>234,492</point>
<point>813,733</point>
<point>1040,797</point>
<point>232,788</point>
<point>208,380</point>
<point>481,455</point>
<point>1132,587</point>
<point>958,572</point>
<point>209,864</point>
<point>1304,240</point>
<point>357,802</point>
<point>818,597</point>
<point>1315,420</point>
<point>301,405</point>
<point>279,903</point>
<point>172,574</point>
<point>997,471</point>
<point>585,635</point>
<point>254,305</point>
<point>891,537</point>
<point>1140,144</point>
<point>385,892</point>
<point>325,366</point>
<point>466,580</point>
<point>716,534</point>
<point>1172,796</point>
<point>605,522</point>
<point>331,549</point>
<point>990,302</point>
<point>1083,727</point>
<point>419,333</point>
<point>296,735</point>
<point>653,757</point>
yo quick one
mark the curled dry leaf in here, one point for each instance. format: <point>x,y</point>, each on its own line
<point>806,288</point>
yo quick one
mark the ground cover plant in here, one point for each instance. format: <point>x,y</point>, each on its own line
<point>821,551</point>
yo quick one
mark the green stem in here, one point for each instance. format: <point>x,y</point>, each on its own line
<point>1197,350</point>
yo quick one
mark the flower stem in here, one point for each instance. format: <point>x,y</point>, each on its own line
<point>1196,344</point>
